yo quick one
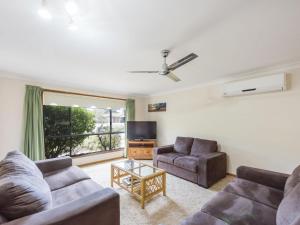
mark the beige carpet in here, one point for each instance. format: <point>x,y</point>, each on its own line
<point>183,199</point>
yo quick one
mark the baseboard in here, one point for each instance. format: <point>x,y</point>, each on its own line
<point>101,161</point>
<point>231,174</point>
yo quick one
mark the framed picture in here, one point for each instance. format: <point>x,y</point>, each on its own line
<point>157,107</point>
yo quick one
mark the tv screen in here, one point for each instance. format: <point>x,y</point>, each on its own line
<point>139,130</point>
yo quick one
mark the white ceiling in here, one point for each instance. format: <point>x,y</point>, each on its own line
<point>115,36</point>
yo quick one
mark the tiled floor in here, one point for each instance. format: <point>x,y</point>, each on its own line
<point>183,199</point>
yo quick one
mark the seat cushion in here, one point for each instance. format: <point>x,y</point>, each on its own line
<point>292,181</point>
<point>201,146</point>
<point>256,192</point>
<point>236,210</point>
<point>183,145</point>
<point>74,192</point>
<point>168,157</point>
<point>289,209</point>
<point>64,177</point>
<point>189,163</point>
<point>201,218</point>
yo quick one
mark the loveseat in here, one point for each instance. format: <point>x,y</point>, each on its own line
<point>194,159</point>
<point>53,192</point>
<point>256,197</point>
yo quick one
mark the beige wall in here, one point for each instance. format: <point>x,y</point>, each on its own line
<point>12,93</point>
<point>259,130</point>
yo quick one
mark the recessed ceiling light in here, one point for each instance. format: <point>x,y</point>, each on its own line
<point>71,7</point>
<point>44,12</point>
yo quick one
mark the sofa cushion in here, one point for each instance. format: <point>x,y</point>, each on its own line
<point>256,192</point>
<point>74,192</point>
<point>168,157</point>
<point>64,177</point>
<point>289,208</point>
<point>202,218</point>
<point>23,195</point>
<point>201,146</point>
<point>236,210</point>
<point>16,163</point>
<point>187,162</point>
<point>183,145</point>
<point>292,181</point>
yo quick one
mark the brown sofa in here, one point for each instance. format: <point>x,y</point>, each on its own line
<point>76,199</point>
<point>256,197</point>
<point>193,159</point>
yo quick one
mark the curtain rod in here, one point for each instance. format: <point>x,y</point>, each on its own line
<point>81,94</point>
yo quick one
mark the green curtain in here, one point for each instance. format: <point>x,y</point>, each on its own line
<point>33,114</point>
<point>130,116</point>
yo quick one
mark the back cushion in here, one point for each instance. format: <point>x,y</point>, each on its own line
<point>16,163</point>
<point>23,191</point>
<point>183,145</point>
<point>292,181</point>
<point>289,208</point>
<point>201,146</point>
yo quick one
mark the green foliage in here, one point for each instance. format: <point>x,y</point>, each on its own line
<point>60,122</point>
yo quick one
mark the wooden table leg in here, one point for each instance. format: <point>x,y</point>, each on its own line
<point>143,193</point>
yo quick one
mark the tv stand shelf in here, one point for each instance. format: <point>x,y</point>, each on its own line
<point>141,149</point>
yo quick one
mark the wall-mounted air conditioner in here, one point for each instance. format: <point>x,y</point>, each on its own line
<point>276,82</point>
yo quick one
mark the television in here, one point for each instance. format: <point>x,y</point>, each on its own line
<point>140,130</point>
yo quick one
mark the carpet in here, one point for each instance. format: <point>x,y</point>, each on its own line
<point>183,198</point>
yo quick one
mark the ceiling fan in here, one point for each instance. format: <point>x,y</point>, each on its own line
<point>167,69</point>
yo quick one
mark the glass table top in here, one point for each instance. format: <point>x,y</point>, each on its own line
<point>138,168</point>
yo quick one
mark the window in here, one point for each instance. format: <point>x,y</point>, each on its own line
<point>78,131</point>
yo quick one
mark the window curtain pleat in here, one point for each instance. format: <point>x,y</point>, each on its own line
<point>130,116</point>
<point>34,132</point>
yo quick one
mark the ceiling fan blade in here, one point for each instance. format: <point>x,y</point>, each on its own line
<point>143,71</point>
<point>183,61</point>
<point>173,77</point>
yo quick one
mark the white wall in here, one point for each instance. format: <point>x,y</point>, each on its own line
<point>12,94</point>
<point>259,130</point>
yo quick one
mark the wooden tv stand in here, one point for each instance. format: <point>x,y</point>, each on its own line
<point>141,149</point>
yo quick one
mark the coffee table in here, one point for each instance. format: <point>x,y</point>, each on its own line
<point>147,180</point>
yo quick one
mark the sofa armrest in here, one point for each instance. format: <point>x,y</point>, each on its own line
<point>264,177</point>
<point>101,207</point>
<point>161,150</point>
<point>212,167</point>
<point>49,165</point>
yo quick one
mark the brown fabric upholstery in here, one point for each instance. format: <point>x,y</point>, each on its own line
<point>183,145</point>
<point>289,208</point>
<point>189,163</point>
<point>50,165</point>
<point>205,167</point>
<point>76,198</point>
<point>201,146</point>
<point>74,192</point>
<point>236,210</point>
<point>201,218</point>
<point>2,219</point>
<point>101,207</point>
<point>292,181</point>
<point>61,178</point>
<point>256,197</point>
<point>169,157</point>
<point>264,177</point>
<point>256,192</point>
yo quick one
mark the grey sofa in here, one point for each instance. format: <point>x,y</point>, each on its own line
<point>76,199</point>
<point>196,160</point>
<point>256,197</point>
